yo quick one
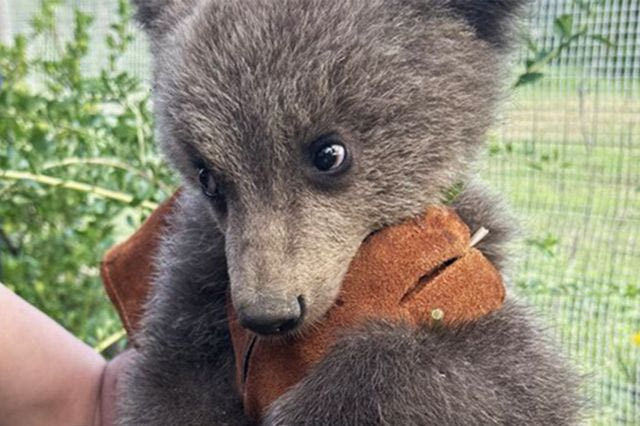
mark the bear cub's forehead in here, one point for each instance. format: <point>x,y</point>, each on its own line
<point>284,38</point>
<point>289,70</point>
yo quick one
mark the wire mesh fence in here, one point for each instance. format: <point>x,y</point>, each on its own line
<point>567,156</point>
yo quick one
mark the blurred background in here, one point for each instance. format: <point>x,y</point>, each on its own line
<point>79,172</point>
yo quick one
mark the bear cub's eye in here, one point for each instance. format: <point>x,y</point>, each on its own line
<point>208,184</point>
<point>328,154</point>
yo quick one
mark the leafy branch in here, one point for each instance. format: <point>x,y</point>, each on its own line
<point>76,186</point>
<point>569,34</point>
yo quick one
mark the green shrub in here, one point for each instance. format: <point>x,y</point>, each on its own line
<point>78,168</point>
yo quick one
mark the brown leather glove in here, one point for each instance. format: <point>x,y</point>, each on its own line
<point>421,271</point>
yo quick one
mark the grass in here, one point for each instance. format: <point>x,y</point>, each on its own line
<point>568,159</point>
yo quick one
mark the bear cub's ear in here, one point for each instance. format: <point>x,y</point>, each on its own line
<point>492,19</point>
<point>149,11</point>
<point>158,15</point>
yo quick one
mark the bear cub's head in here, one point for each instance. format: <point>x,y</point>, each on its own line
<point>305,125</point>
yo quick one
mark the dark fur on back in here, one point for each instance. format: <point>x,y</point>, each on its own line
<point>183,373</point>
<point>243,88</point>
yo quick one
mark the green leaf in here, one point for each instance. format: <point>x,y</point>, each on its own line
<point>547,244</point>
<point>451,195</point>
<point>604,40</point>
<point>563,25</point>
<point>528,78</point>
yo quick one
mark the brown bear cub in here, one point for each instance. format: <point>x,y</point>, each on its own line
<point>301,127</point>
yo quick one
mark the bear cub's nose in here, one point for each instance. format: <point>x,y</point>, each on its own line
<point>274,319</point>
